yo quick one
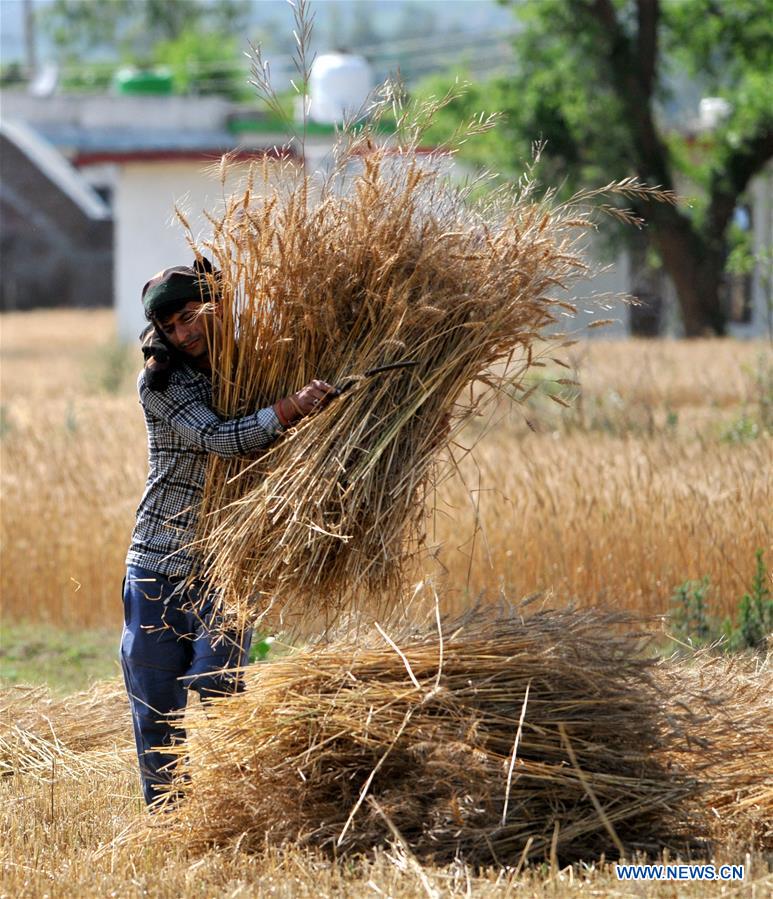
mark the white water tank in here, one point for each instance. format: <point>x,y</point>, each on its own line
<point>339,85</point>
<point>712,112</point>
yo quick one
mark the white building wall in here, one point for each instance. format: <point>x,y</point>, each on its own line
<point>600,296</point>
<point>761,201</point>
<point>147,235</point>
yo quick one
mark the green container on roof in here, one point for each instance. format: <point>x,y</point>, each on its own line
<point>154,82</point>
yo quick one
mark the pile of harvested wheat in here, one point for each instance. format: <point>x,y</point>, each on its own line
<point>728,734</point>
<point>498,738</point>
<point>386,261</point>
<point>502,739</point>
<point>71,735</point>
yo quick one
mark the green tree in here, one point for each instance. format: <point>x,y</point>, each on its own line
<point>134,27</point>
<point>596,79</point>
<point>204,63</point>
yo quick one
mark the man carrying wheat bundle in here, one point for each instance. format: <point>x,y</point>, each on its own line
<point>168,643</point>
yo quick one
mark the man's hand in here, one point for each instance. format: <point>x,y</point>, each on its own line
<point>313,396</point>
<point>158,362</point>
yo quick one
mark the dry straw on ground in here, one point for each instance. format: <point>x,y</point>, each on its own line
<point>506,738</point>
<point>385,261</point>
<point>730,705</point>
<point>72,736</point>
<point>534,721</point>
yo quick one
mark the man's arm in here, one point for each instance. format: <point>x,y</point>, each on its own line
<point>199,426</point>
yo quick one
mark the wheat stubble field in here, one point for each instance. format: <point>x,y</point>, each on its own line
<point>658,473</point>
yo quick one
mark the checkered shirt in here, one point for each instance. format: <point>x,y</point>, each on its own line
<point>182,431</point>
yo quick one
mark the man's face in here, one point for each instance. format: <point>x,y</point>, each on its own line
<point>187,329</point>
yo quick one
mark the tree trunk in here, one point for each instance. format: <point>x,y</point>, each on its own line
<point>692,258</point>
<point>696,272</point>
<point>645,317</point>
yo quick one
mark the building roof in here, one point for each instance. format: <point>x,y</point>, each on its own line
<point>86,146</point>
<point>55,167</point>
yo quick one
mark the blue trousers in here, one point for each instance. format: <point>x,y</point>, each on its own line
<point>167,648</point>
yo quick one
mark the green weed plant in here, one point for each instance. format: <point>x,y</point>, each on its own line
<point>750,628</point>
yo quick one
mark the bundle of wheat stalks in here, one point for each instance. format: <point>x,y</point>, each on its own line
<point>384,261</point>
<point>494,738</point>
<point>730,724</point>
<point>73,735</point>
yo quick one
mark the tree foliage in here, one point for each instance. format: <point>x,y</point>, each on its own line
<point>80,27</point>
<point>600,82</point>
<point>203,63</point>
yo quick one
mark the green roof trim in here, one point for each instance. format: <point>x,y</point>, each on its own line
<point>274,125</point>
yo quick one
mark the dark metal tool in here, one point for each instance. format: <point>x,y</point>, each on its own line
<point>343,386</point>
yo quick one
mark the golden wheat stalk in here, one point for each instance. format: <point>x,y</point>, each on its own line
<point>384,261</point>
